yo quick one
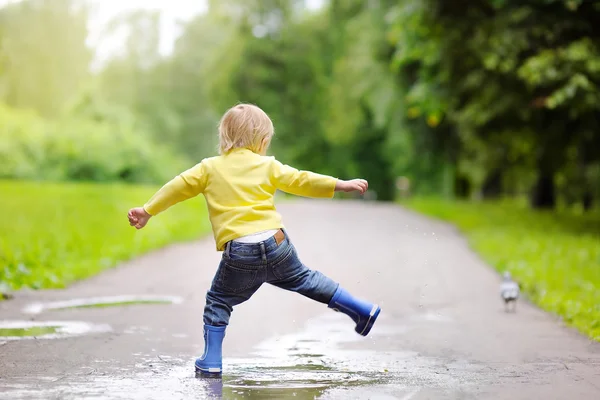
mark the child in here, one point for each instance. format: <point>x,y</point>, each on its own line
<point>239,186</point>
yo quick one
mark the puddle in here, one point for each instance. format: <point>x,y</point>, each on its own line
<point>101,302</point>
<point>18,330</point>
<point>326,360</point>
<point>32,331</point>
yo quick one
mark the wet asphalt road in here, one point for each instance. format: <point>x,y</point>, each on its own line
<point>442,333</point>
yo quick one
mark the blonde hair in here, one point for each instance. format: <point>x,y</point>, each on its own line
<point>244,126</point>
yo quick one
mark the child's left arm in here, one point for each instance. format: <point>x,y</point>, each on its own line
<point>311,184</point>
<point>184,186</point>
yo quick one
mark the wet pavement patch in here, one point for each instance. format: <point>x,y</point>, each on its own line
<point>325,360</point>
<point>18,330</point>
<point>101,302</point>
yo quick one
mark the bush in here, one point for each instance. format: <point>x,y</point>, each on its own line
<point>555,256</point>
<point>81,150</point>
<point>55,234</point>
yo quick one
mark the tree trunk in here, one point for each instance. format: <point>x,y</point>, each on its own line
<point>492,187</point>
<point>585,154</point>
<point>544,192</point>
<point>588,200</point>
<point>462,187</point>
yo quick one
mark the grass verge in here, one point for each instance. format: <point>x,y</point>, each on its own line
<point>53,234</point>
<point>555,256</point>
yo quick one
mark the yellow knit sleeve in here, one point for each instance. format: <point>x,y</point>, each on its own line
<point>184,186</point>
<point>301,183</point>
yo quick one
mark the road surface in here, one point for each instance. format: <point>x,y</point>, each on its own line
<point>442,333</point>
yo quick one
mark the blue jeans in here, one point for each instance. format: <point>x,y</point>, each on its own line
<point>245,267</point>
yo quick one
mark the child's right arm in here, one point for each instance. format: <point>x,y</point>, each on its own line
<point>184,186</point>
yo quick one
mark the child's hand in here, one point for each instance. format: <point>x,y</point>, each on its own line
<point>138,217</point>
<point>354,185</point>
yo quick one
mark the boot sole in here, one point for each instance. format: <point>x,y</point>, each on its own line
<point>208,371</point>
<point>372,318</point>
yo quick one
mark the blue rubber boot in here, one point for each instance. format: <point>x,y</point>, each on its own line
<point>361,312</point>
<point>211,361</point>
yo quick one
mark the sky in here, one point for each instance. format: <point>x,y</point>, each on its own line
<point>105,10</point>
<point>172,11</point>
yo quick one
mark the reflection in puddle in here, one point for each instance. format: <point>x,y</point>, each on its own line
<point>15,330</point>
<point>96,302</point>
<point>31,331</point>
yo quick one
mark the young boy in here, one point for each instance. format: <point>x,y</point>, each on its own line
<point>239,186</point>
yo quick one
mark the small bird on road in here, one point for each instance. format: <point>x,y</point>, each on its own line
<point>509,290</point>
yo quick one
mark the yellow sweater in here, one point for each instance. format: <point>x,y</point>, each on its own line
<point>239,188</point>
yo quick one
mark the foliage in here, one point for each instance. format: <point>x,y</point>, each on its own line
<point>43,53</point>
<point>282,73</point>
<point>469,98</point>
<point>79,149</point>
<point>94,232</point>
<point>515,81</point>
<point>167,95</point>
<point>554,256</point>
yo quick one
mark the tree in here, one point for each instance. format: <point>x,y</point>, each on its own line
<point>44,58</point>
<point>514,80</point>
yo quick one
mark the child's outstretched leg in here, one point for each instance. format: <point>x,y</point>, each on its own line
<point>229,288</point>
<point>291,274</point>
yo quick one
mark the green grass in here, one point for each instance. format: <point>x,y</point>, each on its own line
<point>53,234</point>
<point>555,256</point>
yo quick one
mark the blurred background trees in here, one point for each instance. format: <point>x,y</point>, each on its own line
<point>471,99</point>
